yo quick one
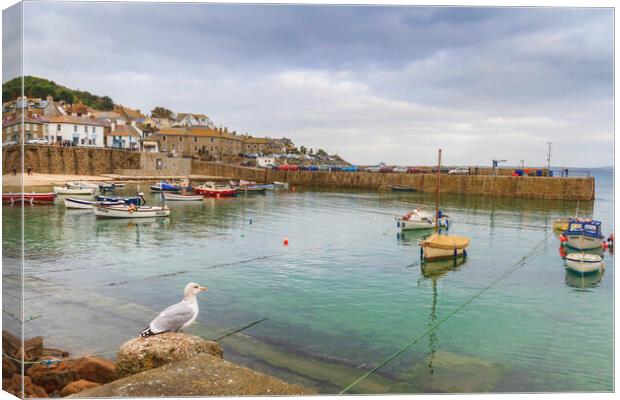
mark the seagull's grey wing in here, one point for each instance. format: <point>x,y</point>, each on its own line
<point>172,318</point>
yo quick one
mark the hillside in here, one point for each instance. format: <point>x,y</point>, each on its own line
<point>41,88</point>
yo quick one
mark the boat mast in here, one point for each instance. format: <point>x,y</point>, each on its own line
<point>437,192</point>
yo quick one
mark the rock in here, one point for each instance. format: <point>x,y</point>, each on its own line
<point>54,353</point>
<point>34,347</point>
<point>78,386</point>
<point>10,343</point>
<point>201,375</point>
<point>141,354</point>
<point>94,369</point>
<point>53,377</point>
<point>8,368</point>
<point>14,385</point>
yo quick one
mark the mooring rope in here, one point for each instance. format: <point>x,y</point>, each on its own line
<point>528,256</point>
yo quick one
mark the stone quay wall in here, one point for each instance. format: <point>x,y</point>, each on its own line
<point>577,188</point>
<point>69,160</point>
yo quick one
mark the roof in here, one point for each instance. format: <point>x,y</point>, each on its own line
<point>68,119</point>
<point>201,132</point>
<point>17,120</point>
<point>124,130</point>
<point>197,116</point>
<point>256,140</point>
<point>107,115</point>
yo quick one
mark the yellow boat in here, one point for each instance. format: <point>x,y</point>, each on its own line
<point>436,246</point>
<point>560,225</point>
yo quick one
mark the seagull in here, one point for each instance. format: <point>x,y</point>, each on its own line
<point>177,316</point>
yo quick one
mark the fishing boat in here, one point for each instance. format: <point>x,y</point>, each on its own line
<point>583,234</point>
<point>130,211</point>
<point>213,190</point>
<point>418,219</point>
<point>182,197</point>
<point>437,246</point>
<point>64,190</point>
<point>251,189</point>
<point>137,201</point>
<point>82,204</point>
<point>280,185</point>
<point>81,185</point>
<point>584,263</point>
<point>561,224</point>
<point>165,187</point>
<point>402,189</point>
<point>31,198</point>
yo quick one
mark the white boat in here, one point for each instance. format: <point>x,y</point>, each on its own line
<point>130,211</point>
<point>82,185</point>
<point>584,263</point>
<point>182,197</point>
<point>64,190</point>
<point>437,247</point>
<point>280,185</point>
<point>583,234</point>
<point>87,204</point>
<point>418,219</point>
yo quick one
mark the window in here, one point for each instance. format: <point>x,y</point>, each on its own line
<point>27,127</point>
<point>15,128</point>
<point>93,129</point>
<point>35,127</point>
<point>82,141</point>
<point>180,147</point>
<point>58,127</point>
<point>74,128</point>
<point>163,138</point>
<point>211,140</point>
<point>195,139</point>
<point>174,147</point>
<point>85,129</point>
<point>164,147</point>
<point>180,138</point>
<point>195,148</point>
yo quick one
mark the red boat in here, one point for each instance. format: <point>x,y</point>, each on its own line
<point>210,189</point>
<point>28,198</point>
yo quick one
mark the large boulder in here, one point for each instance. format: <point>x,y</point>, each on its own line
<point>78,386</point>
<point>94,369</point>
<point>58,375</point>
<point>141,354</point>
<point>13,385</point>
<point>8,368</point>
<point>201,375</point>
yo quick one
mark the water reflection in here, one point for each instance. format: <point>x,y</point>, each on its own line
<point>583,281</point>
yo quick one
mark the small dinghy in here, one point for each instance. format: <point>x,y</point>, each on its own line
<point>182,197</point>
<point>584,263</point>
<point>165,187</point>
<point>30,198</point>
<point>280,185</point>
<point>138,200</point>
<point>418,219</point>
<point>82,204</point>
<point>81,185</point>
<point>402,189</point>
<point>130,211</point>
<point>64,190</point>
<point>438,247</point>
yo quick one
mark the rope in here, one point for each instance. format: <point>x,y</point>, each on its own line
<point>251,324</point>
<point>509,271</point>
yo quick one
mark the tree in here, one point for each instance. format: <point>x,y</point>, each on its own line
<point>105,103</point>
<point>321,153</point>
<point>161,112</point>
<point>65,96</point>
<point>303,150</point>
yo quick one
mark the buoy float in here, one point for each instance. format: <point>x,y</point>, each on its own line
<point>563,239</point>
<point>605,246</point>
<point>285,241</point>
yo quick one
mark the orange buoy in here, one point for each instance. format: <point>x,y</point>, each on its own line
<point>285,241</point>
<point>605,246</point>
<point>563,239</point>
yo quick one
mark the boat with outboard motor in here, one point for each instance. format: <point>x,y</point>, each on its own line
<point>212,190</point>
<point>418,219</point>
<point>65,190</point>
<point>31,198</point>
<point>137,200</point>
<point>85,204</point>
<point>130,211</point>
<point>165,187</point>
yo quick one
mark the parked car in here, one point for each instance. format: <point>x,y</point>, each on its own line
<point>9,143</point>
<point>372,169</point>
<point>351,168</point>
<point>412,170</point>
<point>38,141</point>
<point>313,168</point>
<point>324,168</point>
<point>400,170</point>
<point>386,169</point>
<point>459,171</point>
<point>335,168</point>
<point>283,167</point>
<point>293,167</point>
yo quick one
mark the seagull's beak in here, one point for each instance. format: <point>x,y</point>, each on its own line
<point>203,289</point>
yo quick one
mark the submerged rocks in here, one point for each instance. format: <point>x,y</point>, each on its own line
<point>144,353</point>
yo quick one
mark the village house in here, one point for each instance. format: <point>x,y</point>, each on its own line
<point>75,131</point>
<point>127,113</point>
<point>199,142</point>
<point>123,137</point>
<point>189,119</point>
<point>13,129</point>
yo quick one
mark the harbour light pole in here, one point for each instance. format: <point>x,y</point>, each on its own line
<point>548,158</point>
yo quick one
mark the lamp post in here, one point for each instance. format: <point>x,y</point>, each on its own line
<point>548,158</point>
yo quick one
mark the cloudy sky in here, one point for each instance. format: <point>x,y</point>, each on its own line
<point>372,83</point>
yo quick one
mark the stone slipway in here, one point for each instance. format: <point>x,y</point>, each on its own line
<point>202,375</point>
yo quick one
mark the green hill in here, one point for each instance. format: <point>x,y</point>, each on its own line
<point>41,87</point>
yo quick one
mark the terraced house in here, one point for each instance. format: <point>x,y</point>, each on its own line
<point>199,142</point>
<point>75,131</point>
<point>13,130</point>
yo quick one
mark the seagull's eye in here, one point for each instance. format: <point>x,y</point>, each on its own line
<point>196,287</point>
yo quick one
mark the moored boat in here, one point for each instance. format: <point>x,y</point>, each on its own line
<point>561,224</point>
<point>85,204</point>
<point>251,189</point>
<point>82,185</point>
<point>402,189</point>
<point>64,190</point>
<point>28,197</point>
<point>165,187</point>
<point>130,211</point>
<point>138,200</point>
<point>280,185</point>
<point>584,263</point>
<point>583,234</point>
<point>213,190</point>
<point>437,247</point>
<point>182,197</point>
<point>418,219</point>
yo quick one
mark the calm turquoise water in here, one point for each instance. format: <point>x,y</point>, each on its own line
<point>343,292</point>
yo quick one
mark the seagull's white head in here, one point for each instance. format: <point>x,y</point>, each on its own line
<point>192,289</point>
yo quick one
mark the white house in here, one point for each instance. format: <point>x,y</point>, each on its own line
<point>188,119</point>
<point>75,131</point>
<point>123,137</point>
<point>264,161</point>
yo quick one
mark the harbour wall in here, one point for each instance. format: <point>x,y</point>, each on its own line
<point>576,188</point>
<point>69,160</point>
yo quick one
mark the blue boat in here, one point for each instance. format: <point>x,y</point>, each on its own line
<point>138,200</point>
<point>583,234</point>
<point>165,187</point>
